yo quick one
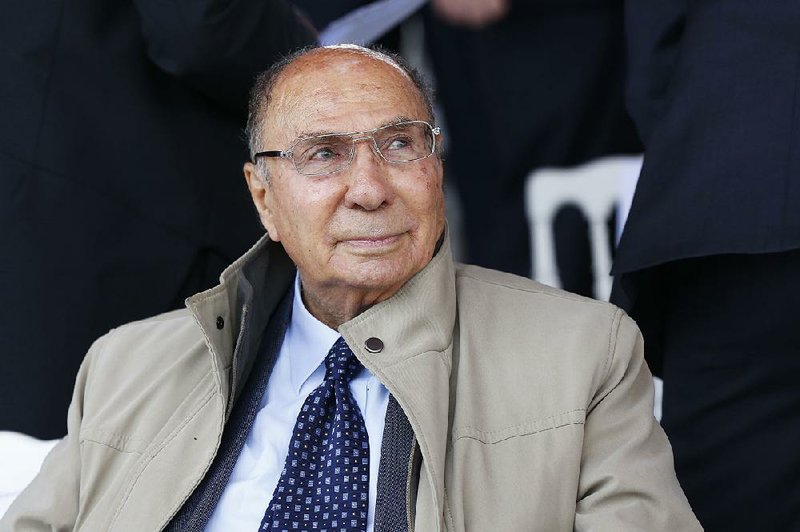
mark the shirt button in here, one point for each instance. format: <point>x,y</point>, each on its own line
<point>374,345</point>
<point>220,322</point>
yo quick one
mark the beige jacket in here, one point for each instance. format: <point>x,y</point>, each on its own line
<point>532,407</point>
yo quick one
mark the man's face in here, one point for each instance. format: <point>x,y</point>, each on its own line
<point>372,226</point>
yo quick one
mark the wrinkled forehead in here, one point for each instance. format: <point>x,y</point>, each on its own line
<point>340,89</point>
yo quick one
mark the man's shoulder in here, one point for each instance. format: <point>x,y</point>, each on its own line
<point>475,282</point>
<point>172,316</point>
<point>151,341</point>
<point>140,375</point>
<point>521,317</point>
<point>172,320</point>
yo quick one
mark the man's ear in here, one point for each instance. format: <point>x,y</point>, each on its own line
<point>261,193</point>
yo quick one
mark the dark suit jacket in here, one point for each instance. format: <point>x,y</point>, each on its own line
<point>714,88</point>
<point>120,167</point>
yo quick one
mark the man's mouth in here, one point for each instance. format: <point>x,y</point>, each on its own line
<point>372,241</point>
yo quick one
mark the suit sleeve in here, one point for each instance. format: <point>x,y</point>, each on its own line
<point>627,479</point>
<point>50,502</point>
<point>218,46</point>
<point>654,31</point>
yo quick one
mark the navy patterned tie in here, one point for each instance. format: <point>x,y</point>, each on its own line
<point>324,485</point>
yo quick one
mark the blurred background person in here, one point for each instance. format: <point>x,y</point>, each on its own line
<point>120,184</point>
<point>709,261</point>
<point>524,85</point>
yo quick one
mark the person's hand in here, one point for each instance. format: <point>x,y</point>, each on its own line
<point>471,13</point>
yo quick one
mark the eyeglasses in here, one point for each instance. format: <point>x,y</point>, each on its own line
<point>403,142</point>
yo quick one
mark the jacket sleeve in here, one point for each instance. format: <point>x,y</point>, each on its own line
<point>654,31</point>
<point>50,502</point>
<point>627,479</point>
<point>218,46</point>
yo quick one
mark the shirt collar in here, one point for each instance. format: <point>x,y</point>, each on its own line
<point>308,340</point>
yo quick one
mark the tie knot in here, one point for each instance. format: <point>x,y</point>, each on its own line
<point>341,364</point>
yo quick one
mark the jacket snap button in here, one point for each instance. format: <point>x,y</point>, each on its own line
<point>220,322</point>
<point>374,345</point>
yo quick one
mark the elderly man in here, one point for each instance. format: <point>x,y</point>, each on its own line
<point>345,374</point>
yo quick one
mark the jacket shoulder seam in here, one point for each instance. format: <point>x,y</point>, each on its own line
<point>612,347</point>
<point>613,332</point>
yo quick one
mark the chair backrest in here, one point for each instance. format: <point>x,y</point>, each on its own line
<point>594,188</point>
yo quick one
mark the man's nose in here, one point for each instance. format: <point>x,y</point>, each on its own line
<point>369,187</point>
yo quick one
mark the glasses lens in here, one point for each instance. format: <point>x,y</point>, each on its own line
<point>404,142</point>
<point>322,155</point>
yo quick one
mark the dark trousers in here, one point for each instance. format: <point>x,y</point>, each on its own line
<point>730,342</point>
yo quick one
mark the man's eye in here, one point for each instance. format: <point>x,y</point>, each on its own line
<point>397,143</point>
<point>322,154</point>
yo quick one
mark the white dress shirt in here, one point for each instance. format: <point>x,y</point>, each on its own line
<point>298,370</point>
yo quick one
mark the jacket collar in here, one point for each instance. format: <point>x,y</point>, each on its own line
<point>232,315</point>
<point>415,327</point>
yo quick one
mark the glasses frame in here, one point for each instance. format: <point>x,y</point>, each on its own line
<point>355,136</point>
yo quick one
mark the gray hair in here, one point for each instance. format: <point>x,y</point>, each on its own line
<point>261,92</point>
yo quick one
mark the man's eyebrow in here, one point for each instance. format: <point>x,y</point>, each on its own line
<point>316,133</point>
<point>397,120</point>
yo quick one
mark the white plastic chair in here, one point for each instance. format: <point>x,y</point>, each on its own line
<point>595,188</point>
<point>21,457</point>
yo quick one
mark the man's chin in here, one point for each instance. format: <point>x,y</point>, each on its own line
<point>377,274</point>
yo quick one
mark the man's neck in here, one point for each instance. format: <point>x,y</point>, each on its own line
<point>336,305</point>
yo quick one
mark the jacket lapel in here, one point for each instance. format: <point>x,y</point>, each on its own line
<point>233,314</point>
